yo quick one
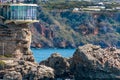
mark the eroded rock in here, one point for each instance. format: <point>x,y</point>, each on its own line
<point>12,75</point>
<point>60,64</point>
<point>25,70</point>
<point>19,63</point>
<point>91,62</point>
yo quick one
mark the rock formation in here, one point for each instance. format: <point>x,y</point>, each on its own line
<point>25,70</point>
<point>16,59</point>
<point>90,62</point>
<point>15,40</point>
<point>60,64</point>
<point>12,75</point>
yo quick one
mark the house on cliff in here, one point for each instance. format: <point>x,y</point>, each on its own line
<point>18,11</point>
<point>15,39</point>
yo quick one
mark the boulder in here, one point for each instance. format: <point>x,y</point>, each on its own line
<point>13,75</point>
<point>60,64</point>
<point>90,62</point>
<point>33,71</point>
<point>25,70</point>
<point>45,73</point>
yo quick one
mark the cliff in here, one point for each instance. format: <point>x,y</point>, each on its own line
<point>89,62</point>
<point>16,59</point>
<point>15,41</point>
<point>67,29</point>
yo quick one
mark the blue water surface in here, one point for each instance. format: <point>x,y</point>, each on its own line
<point>42,54</point>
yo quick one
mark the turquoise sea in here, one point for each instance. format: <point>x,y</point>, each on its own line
<point>42,54</point>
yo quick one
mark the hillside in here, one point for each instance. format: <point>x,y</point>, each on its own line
<point>60,27</point>
<point>66,29</point>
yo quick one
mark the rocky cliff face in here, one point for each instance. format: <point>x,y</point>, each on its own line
<point>68,29</point>
<point>91,62</point>
<point>16,59</point>
<point>15,40</point>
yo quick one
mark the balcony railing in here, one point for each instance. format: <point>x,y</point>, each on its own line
<point>19,12</point>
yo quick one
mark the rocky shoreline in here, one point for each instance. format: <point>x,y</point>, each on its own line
<point>89,62</point>
<point>25,70</point>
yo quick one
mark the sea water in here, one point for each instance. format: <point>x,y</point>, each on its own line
<point>43,54</point>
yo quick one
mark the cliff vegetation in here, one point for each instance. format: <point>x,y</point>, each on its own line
<point>63,28</point>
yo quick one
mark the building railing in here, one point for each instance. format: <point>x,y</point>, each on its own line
<point>18,1</point>
<point>19,12</point>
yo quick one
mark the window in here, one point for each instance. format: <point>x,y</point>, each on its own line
<point>14,12</point>
<point>22,12</point>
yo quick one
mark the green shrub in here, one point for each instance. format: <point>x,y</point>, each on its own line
<point>2,65</point>
<point>1,56</point>
<point>6,56</point>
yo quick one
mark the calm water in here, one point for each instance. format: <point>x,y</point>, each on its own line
<point>42,54</point>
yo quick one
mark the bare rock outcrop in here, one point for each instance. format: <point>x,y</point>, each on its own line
<point>26,70</point>
<point>12,76</point>
<point>16,59</point>
<point>15,40</point>
<point>33,71</point>
<point>60,64</point>
<point>90,62</point>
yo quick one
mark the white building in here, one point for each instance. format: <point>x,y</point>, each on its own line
<point>117,8</point>
<point>96,7</point>
<point>3,1</point>
<point>75,9</point>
